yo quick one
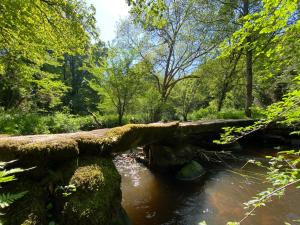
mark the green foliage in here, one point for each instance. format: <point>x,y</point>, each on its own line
<point>175,46</point>
<point>272,18</point>
<point>6,199</point>
<point>120,82</point>
<point>211,113</point>
<point>48,48</point>
<point>66,190</point>
<point>222,81</point>
<point>285,112</point>
<point>187,96</point>
<point>148,12</point>
<point>283,172</point>
<point>110,120</point>
<point>275,16</point>
<point>62,123</point>
<point>52,57</point>
<point>35,35</point>
<point>147,103</point>
<point>34,123</point>
<point>17,123</point>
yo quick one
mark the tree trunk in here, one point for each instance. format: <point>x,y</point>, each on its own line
<point>120,118</point>
<point>221,98</point>
<point>185,117</point>
<point>249,72</point>
<point>159,110</point>
<point>249,83</point>
<point>65,69</point>
<point>73,75</point>
<point>157,114</point>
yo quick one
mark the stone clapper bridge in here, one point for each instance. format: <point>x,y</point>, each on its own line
<point>82,159</point>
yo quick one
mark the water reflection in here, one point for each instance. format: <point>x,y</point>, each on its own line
<point>153,199</point>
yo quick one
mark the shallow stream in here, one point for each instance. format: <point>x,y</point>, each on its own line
<point>153,199</point>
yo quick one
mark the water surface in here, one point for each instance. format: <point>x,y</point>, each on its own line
<point>154,199</point>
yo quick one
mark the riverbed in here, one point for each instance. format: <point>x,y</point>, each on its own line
<point>151,198</point>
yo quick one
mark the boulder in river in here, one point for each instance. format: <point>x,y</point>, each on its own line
<point>165,157</point>
<point>190,171</point>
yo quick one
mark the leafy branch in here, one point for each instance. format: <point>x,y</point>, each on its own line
<point>284,112</point>
<point>282,173</point>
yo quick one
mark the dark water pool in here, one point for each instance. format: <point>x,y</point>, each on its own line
<point>154,199</point>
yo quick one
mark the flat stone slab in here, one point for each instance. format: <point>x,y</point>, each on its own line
<point>59,147</point>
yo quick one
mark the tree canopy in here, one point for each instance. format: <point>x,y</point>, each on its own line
<point>181,59</point>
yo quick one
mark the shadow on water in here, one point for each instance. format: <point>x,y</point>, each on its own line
<point>155,199</point>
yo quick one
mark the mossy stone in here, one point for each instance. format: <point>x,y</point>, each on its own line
<point>98,195</point>
<point>190,171</point>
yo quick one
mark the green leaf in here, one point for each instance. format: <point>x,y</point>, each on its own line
<point>7,199</point>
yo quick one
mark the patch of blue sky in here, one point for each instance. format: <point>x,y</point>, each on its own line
<point>108,13</point>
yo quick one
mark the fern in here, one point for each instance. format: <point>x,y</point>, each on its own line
<point>3,164</point>
<point>6,199</point>
<point>5,179</point>
<point>9,198</point>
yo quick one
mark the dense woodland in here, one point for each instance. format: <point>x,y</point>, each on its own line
<point>170,60</point>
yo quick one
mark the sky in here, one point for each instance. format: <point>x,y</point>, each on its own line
<point>108,13</point>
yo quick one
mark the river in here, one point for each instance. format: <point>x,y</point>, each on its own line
<point>154,199</point>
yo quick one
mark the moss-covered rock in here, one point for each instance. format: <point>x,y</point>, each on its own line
<point>96,201</point>
<point>38,151</point>
<point>215,126</point>
<point>98,196</point>
<point>133,135</point>
<point>190,171</point>
<point>42,149</point>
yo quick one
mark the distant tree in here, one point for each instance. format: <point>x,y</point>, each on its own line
<point>222,17</point>
<point>188,96</point>
<point>119,83</point>
<point>76,70</point>
<point>175,47</point>
<point>222,75</point>
<point>239,11</point>
<point>147,102</point>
